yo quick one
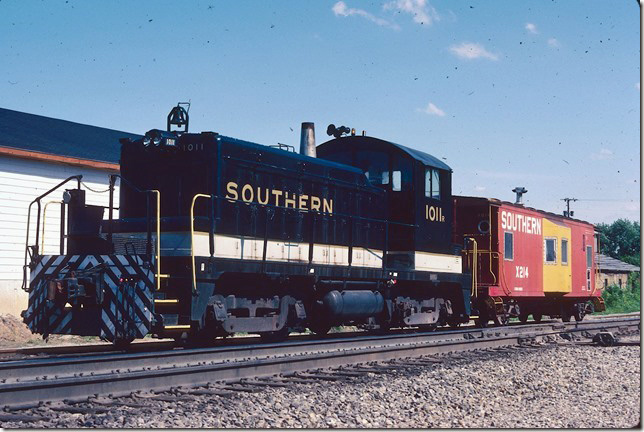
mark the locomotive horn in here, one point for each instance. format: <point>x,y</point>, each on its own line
<point>337,132</point>
<point>307,139</point>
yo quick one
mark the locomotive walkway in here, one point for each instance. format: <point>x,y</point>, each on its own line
<point>28,383</point>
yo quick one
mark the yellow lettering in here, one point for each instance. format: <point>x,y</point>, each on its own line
<point>259,196</point>
<point>277,194</point>
<point>302,202</point>
<point>432,213</point>
<point>231,187</point>
<point>248,188</point>
<point>328,205</point>
<point>289,202</point>
<point>315,203</point>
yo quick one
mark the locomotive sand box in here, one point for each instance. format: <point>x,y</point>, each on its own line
<point>216,235</point>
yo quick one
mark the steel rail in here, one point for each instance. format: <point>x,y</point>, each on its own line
<point>29,382</point>
<point>109,362</point>
<point>161,344</point>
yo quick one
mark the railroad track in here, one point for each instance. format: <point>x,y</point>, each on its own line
<point>27,383</point>
<point>7,354</point>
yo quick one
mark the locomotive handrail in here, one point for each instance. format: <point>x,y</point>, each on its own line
<point>44,220</point>
<point>37,201</point>
<point>192,238</point>
<point>157,254</point>
<point>147,193</point>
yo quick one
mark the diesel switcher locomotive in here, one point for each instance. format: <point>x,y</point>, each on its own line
<point>216,235</point>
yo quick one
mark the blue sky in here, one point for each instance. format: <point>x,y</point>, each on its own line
<point>541,94</point>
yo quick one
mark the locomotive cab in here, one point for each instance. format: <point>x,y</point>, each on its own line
<point>419,200</point>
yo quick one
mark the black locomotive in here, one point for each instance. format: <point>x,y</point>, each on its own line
<point>216,236</point>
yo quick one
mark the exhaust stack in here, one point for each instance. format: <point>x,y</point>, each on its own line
<point>307,139</point>
<point>519,190</point>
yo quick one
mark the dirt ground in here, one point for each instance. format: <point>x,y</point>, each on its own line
<point>14,333</point>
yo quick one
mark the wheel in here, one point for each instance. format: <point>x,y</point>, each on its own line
<point>319,328</point>
<point>453,323</point>
<point>122,343</point>
<point>537,317</point>
<point>275,336</point>
<point>501,320</point>
<point>579,312</point>
<point>523,317</point>
<point>481,323</point>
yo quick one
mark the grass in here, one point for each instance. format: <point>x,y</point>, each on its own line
<point>623,300</point>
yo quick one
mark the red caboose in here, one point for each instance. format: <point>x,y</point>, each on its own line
<point>525,261</point>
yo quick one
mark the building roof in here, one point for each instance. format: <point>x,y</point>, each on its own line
<point>608,264</point>
<point>30,135</point>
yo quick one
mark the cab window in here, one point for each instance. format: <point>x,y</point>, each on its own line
<point>432,184</point>
<point>375,166</point>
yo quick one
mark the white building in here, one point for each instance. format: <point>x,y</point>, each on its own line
<point>37,153</point>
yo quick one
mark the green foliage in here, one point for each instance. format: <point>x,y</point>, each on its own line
<point>621,240</point>
<point>623,300</point>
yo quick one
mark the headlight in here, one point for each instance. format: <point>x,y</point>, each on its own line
<point>146,141</point>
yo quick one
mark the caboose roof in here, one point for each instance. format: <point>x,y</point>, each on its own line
<point>30,135</point>
<point>552,216</point>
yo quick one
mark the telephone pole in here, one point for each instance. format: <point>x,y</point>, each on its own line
<point>567,212</point>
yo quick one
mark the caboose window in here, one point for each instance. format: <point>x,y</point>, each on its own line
<point>551,250</point>
<point>564,251</point>
<point>508,249</point>
<point>589,256</point>
<point>432,184</point>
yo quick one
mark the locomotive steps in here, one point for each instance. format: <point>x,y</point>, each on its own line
<point>29,383</point>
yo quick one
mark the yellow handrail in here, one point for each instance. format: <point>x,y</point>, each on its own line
<point>158,248</point>
<point>192,238</point>
<point>44,213</point>
<point>474,267</point>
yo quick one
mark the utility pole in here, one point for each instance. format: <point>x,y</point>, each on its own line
<point>567,212</point>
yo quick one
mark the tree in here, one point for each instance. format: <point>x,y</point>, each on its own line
<point>621,240</point>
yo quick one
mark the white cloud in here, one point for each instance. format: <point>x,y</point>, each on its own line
<point>421,12</point>
<point>532,28</point>
<point>603,154</point>
<point>432,109</point>
<point>341,9</point>
<point>470,51</point>
<point>553,42</point>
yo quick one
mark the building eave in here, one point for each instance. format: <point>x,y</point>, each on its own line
<point>53,158</point>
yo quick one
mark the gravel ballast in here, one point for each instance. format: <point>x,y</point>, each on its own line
<point>570,386</point>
